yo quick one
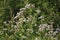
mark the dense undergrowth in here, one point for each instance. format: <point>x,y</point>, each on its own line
<point>29,19</point>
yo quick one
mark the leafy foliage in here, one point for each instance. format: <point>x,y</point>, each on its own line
<point>29,19</point>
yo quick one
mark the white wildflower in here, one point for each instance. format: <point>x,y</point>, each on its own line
<point>55,33</point>
<point>50,32</point>
<point>21,19</point>
<point>38,11</point>
<point>51,23</point>
<point>32,5</point>
<point>27,5</point>
<point>49,27</point>
<point>10,21</point>
<point>16,17</point>
<point>41,17</point>
<point>17,23</point>
<point>28,20</point>
<point>15,26</point>
<point>22,9</point>
<point>24,19</point>
<point>18,13</point>
<point>21,12</point>
<point>42,27</point>
<point>36,38</point>
<point>5,22</point>
<point>30,30</point>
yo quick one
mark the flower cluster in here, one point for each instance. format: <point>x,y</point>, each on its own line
<point>30,23</point>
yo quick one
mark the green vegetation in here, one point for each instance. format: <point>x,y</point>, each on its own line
<point>29,19</point>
